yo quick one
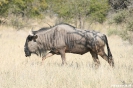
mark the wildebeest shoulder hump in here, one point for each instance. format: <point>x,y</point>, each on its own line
<point>66,24</point>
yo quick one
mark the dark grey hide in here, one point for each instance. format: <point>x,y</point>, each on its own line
<point>64,38</point>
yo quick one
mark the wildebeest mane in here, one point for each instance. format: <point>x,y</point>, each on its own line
<point>47,28</point>
<point>40,30</point>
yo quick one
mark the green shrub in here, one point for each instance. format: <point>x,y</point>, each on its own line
<point>120,17</point>
<point>130,26</point>
<point>113,32</point>
<point>124,35</point>
<point>98,10</point>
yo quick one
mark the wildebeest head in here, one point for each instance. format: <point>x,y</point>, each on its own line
<point>31,45</point>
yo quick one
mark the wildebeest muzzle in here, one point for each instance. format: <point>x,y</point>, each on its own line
<point>27,52</point>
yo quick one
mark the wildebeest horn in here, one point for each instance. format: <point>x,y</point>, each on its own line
<point>30,32</point>
<point>48,24</point>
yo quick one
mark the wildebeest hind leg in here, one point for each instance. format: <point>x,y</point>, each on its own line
<point>95,59</point>
<point>103,55</point>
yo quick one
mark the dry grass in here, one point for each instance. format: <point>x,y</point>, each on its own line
<point>17,71</point>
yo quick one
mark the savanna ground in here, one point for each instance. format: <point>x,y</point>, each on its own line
<point>17,71</point>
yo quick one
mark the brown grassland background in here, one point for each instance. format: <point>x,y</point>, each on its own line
<point>17,71</point>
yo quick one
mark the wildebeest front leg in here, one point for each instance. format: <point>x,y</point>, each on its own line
<point>62,53</point>
<point>47,55</point>
<point>95,58</point>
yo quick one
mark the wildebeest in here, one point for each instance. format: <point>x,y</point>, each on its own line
<point>64,38</point>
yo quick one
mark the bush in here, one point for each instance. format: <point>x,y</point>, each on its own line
<point>130,26</point>
<point>98,10</point>
<point>119,4</point>
<point>123,20</point>
<point>120,17</point>
<point>113,32</point>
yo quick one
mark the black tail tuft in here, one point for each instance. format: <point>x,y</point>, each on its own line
<point>108,49</point>
<point>110,57</point>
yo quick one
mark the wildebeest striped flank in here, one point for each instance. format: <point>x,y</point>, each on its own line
<point>64,38</point>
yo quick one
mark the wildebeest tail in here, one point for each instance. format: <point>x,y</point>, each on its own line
<point>108,49</point>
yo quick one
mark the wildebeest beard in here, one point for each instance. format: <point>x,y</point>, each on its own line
<point>41,52</point>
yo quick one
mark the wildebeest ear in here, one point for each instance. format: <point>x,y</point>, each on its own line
<point>35,37</point>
